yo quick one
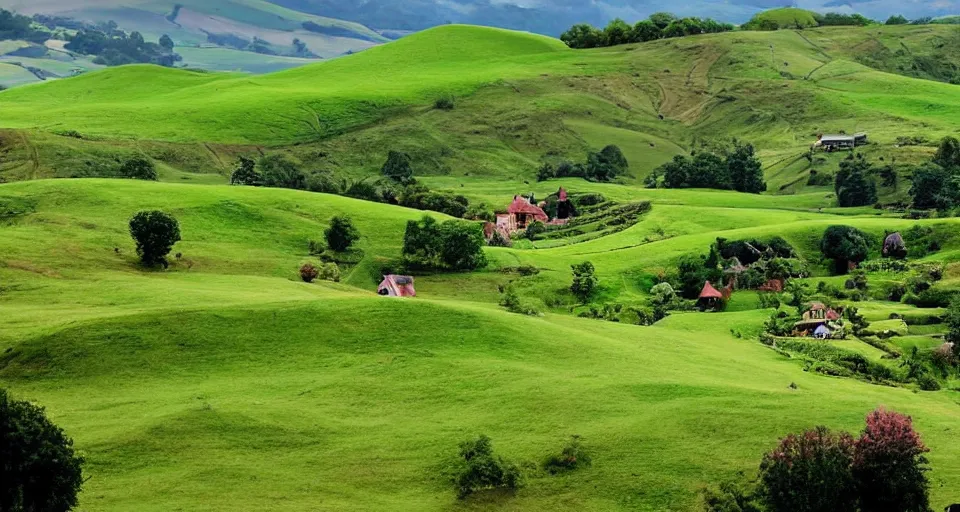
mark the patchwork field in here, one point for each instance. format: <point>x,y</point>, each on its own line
<point>225,382</point>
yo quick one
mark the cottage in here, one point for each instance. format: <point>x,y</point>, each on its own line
<point>397,286</point>
<point>818,315</point>
<point>894,246</point>
<point>520,214</point>
<point>709,298</point>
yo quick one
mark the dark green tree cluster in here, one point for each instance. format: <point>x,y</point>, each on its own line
<point>397,167</point>
<point>844,245</point>
<point>139,167</point>
<point>737,169</point>
<point>936,185</point>
<point>39,468</point>
<point>660,25</point>
<point>114,49</point>
<point>854,183</point>
<point>897,19</point>
<point>452,245</point>
<point>584,281</point>
<point>480,469</point>
<point>16,26</point>
<point>246,174</point>
<point>603,166</point>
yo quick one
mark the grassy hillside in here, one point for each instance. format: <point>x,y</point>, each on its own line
<point>228,380</point>
<point>786,18</point>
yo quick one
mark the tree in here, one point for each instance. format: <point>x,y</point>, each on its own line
<point>854,184</point>
<point>708,170</point>
<point>890,465</point>
<point>341,234</point>
<point>279,171</point>
<point>139,167</point>
<point>617,32</point>
<point>952,319</point>
<point>582,36</point>
<point>607,164</point>
<point>422,242</point>
<point>246,174</point>
<point>535,229</point>
<point>479,211</point>
<point>462,245</point>
<point>844,244</point>
<point>662,19</point>
<point>676,173</point>
<point>155,233</point>
<point>932,187</point>
<point>644,31</point>
<point>166,43</point>
<point>948,153</point>
<point>584,281</point>
<point>40,471</point>
<point>397,167</point>
<point>810,472</point>
<point>308,272</point>
<point>897,19</point>
<point>746,173</point>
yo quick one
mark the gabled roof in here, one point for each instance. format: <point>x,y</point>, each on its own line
<point>521,205</point>
<point>709,292</point>
<point>837,138</point>
<point>400,286</point>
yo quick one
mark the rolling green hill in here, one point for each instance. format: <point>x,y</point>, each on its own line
<point>226,383</point>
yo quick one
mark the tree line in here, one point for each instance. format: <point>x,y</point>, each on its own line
<point>661,25</point>
<point>734,168</point>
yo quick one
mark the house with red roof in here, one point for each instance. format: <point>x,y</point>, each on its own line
<point>709,297</point>
<point>520,214</point>
<point>396,286</point>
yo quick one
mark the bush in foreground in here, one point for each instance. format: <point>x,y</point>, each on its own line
<point>39,469</point>
<point>309,272</point>
<point>155,233</point>
<point>890,466</point>
<point>480,469</point>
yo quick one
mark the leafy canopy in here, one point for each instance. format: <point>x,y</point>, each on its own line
<point>155,233</point>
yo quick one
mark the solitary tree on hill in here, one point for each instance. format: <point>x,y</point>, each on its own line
<point>341,234</point>
<point>155,233</point>
<point>854,182</point>
<point>40,471</point>
<point>746,173</point>
<point>397,167</point>
<point>584,280</point>
<point>166,43</point>
<point>139,167</point>
<point>844,244</point>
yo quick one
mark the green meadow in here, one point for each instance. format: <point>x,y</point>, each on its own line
<point>226,383</point>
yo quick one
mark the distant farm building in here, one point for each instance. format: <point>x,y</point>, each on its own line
<point>837,142</point>
<point>397,286</point>
<point>711,298</point>
<point>522,212</point>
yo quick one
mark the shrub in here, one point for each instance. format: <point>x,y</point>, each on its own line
<point>498,240</point>
<point>341,234</point>
<point>308,272</point>
<point>330,272</point>
<point>607,164</point>
<point>854,184</point>
<point>570,458</point>
<point>535,229</point>
<point>890,466</point>
<point>732,497</point>
<point>140,168</point>
<point>246,174</point>
<point>952,319</point>
<point>279,171</point>
<point>155,233</point>
<point>928,382</point>
<point>514,304</point>
<point>445,102</point>
<point>479,211</point>
<point>480,469</point>
<point>810,472</point>
<point>584,281</point>
<point>590,199</point>
<point>462,245</point>
<point>40,469</point>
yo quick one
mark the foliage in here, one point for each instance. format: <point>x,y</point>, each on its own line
<point>732,496</point>
<point>606,165</point>
<point>309,272</point>
<point>330,271</point>
<point>445,102</point>
<point>584,281</point>
<point>117,48</point>
<point>514,304</point>
<point>41,470</point>
<point>246,174</point>
<point>15,26</point>
<point>933,187</point>
<point>453,245</point>
<point>155,233</point>
<point>693,272</point>
<point>948,153</point>
<point>779,324</point>
<point>570,458</point>
<point>498,240</point>
<point>658,26</point>
<point>952,321</point>
<point>844,244</point>
<point>854,184</point>
<point>397,167</point>
<point>139,167</point>
<point>419,197</point>
<point>341,234</point>
<point>480,469</point>
<point>889,465</point>
<point>737,168</point>
<point>279,171</point>
<point>810,472</point>
<point>479,211</point>
<point>535,229</point>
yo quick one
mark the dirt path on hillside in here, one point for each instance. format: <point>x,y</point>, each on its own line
<point>684,97</point>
